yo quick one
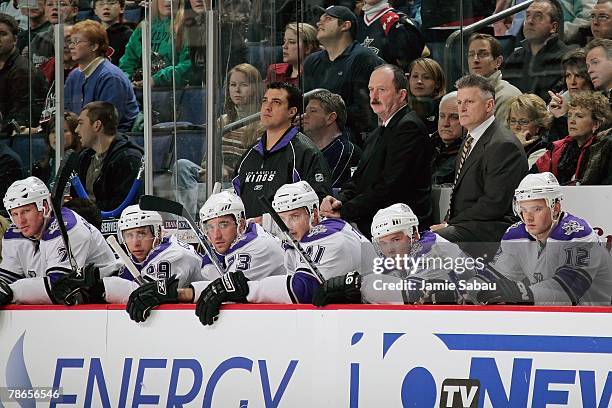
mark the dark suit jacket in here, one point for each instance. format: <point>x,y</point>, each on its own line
<point>395,168</point>
<point>482,198</point>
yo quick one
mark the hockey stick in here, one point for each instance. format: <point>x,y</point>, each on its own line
<point>112,241</point>
<point>69,163</point>
<point>152,203</point>
<point>285,230</point>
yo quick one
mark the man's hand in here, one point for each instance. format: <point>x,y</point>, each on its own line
<point>83,286</point>
<point>339,289</point>
<point>330,207</point>
<point>436,227</point>
<point>231,287</point>
<point>150,295</point>
<point>6,293</point>
<point>506,291</point>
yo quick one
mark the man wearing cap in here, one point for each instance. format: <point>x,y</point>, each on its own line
<point>344,67</point>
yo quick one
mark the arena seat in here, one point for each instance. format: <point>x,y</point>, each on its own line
<point>21,145</point>
<point>261,54</point>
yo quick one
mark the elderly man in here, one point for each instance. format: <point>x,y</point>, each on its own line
<point>492,162</point>
<point>396,167</point>
<point>447,140</point>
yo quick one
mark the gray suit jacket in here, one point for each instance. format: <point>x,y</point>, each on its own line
<point>482,198</point>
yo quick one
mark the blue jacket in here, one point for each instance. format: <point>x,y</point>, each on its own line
<point>107,83</point>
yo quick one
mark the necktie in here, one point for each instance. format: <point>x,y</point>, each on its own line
<point>464,153</point>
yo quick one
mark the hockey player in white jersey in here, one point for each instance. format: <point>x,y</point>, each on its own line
<point>412,268</point>
<point>551,256</point>
<point>155,256</point>
<point>333,245</point>
<point>238,247</point>
<point>34,257</point>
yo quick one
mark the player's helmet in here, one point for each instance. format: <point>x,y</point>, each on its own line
<point>536,186</point>
<point>223,203</point>
<point>398,217</point>
<point>27,191</point>
<point>133,217</point>
<point>296,195</point>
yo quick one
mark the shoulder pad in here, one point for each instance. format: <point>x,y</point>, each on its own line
<point>325,228</point>
<point>12,233</point>
<point>517,231</point>
<point>423,246</point>
<point>53,231</point>
<point>249,235</point>
<point>571,227</point>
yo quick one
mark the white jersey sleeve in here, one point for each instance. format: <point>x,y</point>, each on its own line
<point>20,256</point>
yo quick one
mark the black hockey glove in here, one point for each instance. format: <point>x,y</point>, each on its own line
<point>231,287</point>
<point>506,291</point>
<point>339,289</point>
<point>6,293</point>
<point>150,295</point>
<point>440,296</point>
<point>83,286</point>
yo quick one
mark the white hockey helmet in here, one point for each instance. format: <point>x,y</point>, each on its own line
<point>133,217</point>
<point>296,195</point>
<point>536,186</point>
<point>27,191</point>
<point>223,203</point>
<point>397,217</point>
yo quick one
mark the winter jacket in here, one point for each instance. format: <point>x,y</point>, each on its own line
<point>118,36</point>
<point>551,159</point>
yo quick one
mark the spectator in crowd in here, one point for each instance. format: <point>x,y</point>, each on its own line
<point>15,76</point>
<point>36,43</point>
<point>491,165</point>
<point>69,10</point>
<point>110,13</point>
<point>484,58</point>
<point>529,120</point>
<point>109,162</point>
<point>324,120</point>
<point>577,79</point>
<point>599,64</point>
<point>343,67</point>
<point>48,68</point>
<point>11,7</point>
<point>294,53</point>
<point>97,79</point>
<point>446,141</point>
<point>427,85</point>
<point>233,50</point>
<point>45,169</point>
<point>282,155</point>
<point>588,113</point>
<point>162,36</point>
<point>4,226</point>
<point>535,67</point>
<point>601,19</point>
<point>11,169</point>
<point>389,33</point>
<point>396,164</point>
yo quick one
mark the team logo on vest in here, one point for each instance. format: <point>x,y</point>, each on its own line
<point>260,176</point>
<point>572,226</point>
<point>366,43</point>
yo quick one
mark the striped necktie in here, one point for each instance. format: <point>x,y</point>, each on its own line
<point>464,153</point>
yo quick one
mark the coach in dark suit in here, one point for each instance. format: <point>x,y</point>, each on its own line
<point>489,166</point>
<point>396,162</point>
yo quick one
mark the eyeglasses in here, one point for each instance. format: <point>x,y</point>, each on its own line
<point>222,226</point>
<point>600,18</point>
<point>479,54</point>
<point>103,3</point>
<point>521,122</point>
<point>73,43</point>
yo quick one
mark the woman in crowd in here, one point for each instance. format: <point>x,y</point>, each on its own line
<point>294,54</point>
<point>569,157</point>
<point>529,120</point>
<point>427,85</point>
<point>162,36</point>
<point>577,79</point>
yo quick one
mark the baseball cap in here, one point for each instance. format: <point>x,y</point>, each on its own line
<point>343,14</point>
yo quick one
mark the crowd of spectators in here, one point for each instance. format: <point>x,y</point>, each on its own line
<point>387,126</point>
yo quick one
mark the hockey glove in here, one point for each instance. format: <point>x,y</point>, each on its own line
<point>507,291</point>
<point>83,286</point>
<point>6,293</point>
<point>440,296</point>
<point>231,287</point>
<point>339,289</point>
<point>150,295</point>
